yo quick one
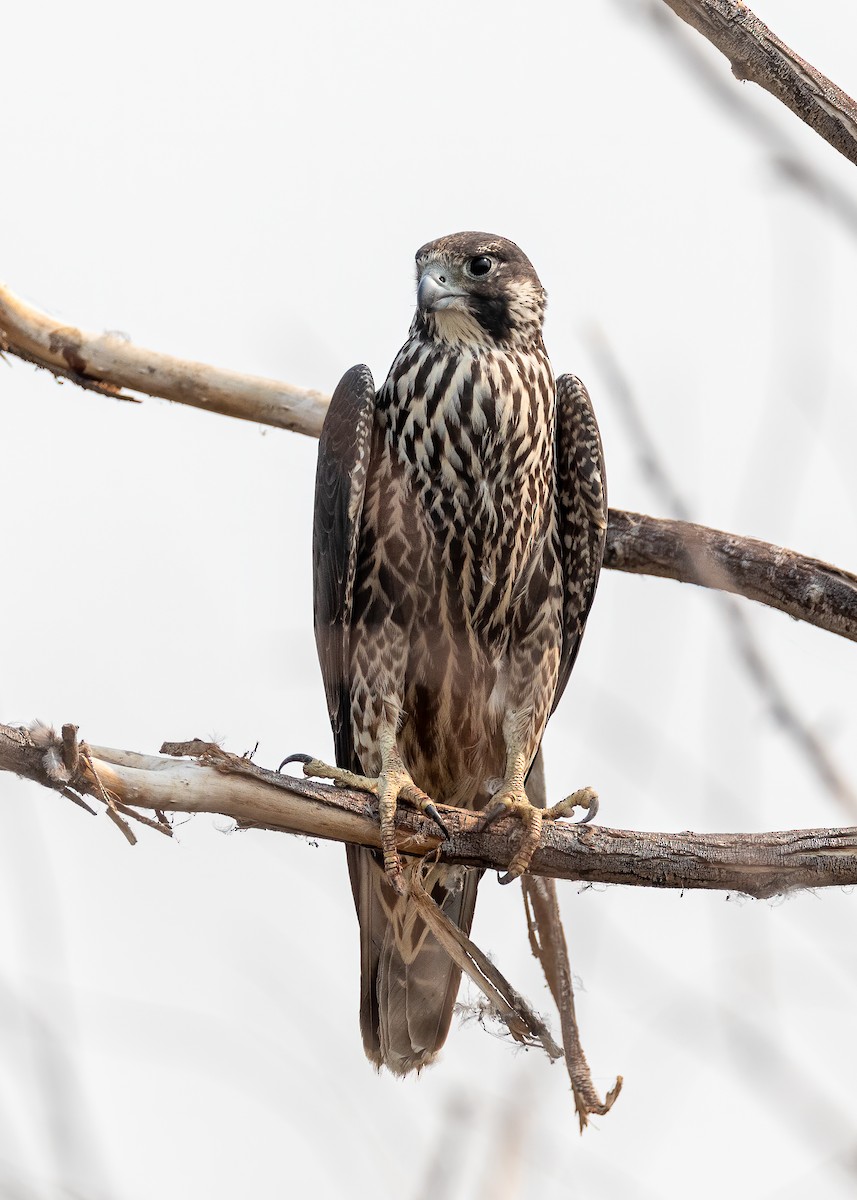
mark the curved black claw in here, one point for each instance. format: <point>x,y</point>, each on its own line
<point>590,812</point>
<point>301,758</point>
<point>431,811</point>
<point>494,813</point>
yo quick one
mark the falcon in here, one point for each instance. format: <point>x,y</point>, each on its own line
<point>460,518</point>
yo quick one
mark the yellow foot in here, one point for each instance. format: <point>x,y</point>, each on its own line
<point>514,800</point>
<point>393,784</point>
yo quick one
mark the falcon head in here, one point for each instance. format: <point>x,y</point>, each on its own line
<point>475,289</point>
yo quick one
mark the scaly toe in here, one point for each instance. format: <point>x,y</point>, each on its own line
<point>585,797</point>
<point>314,768</point>
<point>532,818</point>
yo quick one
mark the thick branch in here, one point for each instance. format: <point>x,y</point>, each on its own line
<point>804,588</point>
<point>757,54</point>
<point>758,864</point>
<point>106,362</point>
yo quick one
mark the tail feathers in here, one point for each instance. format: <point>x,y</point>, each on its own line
<point>408,983</point>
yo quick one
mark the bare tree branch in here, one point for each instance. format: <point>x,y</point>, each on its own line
<point>757,54</point>
<point>106,362</point>
<point>786,156</point>
<point>805,588</point>
<point>757,864</point>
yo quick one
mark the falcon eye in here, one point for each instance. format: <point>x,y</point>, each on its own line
<point>480,265</point>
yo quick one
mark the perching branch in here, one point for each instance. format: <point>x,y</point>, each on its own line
<point>757,54</point>
<point>804,588</point>
<point>212,781</point>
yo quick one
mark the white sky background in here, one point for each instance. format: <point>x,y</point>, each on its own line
<point>246,185</point>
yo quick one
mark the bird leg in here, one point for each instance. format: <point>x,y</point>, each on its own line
<point>512,798</point>
<point>394,783</point>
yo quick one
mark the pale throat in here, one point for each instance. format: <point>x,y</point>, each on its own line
<point>459,328</point>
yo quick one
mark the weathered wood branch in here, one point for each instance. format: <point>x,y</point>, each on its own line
<point>108,363</point>
<point>212,781</point>
<point>805,588</point>
<point>757,54</point>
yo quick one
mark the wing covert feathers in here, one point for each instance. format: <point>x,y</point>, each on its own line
<point>582,497</point>
<point>340,486</point>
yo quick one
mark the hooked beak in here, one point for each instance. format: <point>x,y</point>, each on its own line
<point>435,291</point>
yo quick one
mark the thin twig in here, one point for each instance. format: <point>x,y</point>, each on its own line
<point>549,946</point>
<point>523,1023</point>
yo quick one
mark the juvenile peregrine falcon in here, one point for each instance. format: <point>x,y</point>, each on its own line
<point>460,520</point>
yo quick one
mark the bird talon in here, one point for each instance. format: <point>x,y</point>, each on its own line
<point>592,809</point>
<point>431,811</point>
<point>494,813</point>
<point>301,758</point>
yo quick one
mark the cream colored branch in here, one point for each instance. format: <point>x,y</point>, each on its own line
<point>758,864</point>
<point>106,362</point>
<point>804,588</point>
<point>757,54</point>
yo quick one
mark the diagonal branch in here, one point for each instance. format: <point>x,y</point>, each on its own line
<point>109,363</point>
<point>805,588</point>
<point>212,781</point>
<point>757,54</point>
<point>786,156</point>
<point>525,1026</point>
